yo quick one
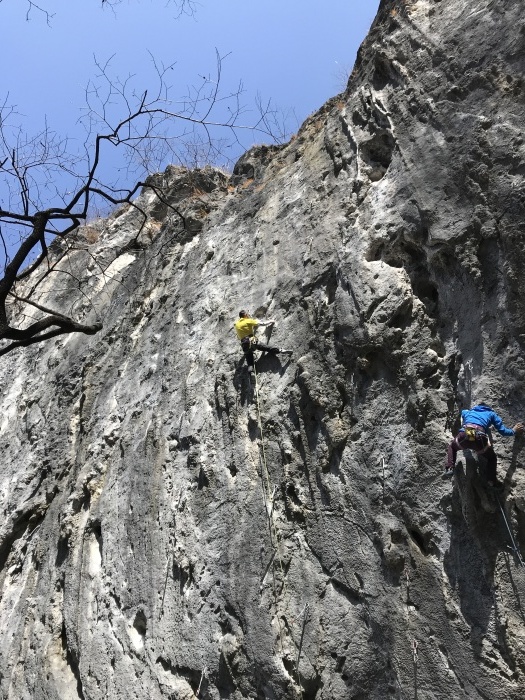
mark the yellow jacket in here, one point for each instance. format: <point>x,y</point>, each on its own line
<point>245,327</point>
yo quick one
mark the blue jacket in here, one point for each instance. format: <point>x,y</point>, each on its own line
<point>485,417</point>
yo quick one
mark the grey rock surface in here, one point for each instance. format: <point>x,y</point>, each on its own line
<point>170,530</point>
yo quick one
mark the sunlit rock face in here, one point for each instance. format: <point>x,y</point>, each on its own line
<point>170,530</point>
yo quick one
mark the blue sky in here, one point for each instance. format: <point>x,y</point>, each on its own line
<point>289,52</point>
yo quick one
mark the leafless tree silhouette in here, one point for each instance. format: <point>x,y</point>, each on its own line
<point>182,7</point>
<point>49,187</point>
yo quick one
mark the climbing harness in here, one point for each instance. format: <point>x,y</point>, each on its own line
<point>246,343</point>
<point>514,546</point>
<point>470,433</point>
<point>473,437</point>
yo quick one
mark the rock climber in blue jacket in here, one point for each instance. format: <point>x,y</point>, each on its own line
<point>474,434</point>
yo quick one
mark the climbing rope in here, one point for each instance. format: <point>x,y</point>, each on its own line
<point>306,617</point>
<point>203,676</point>
<point>269,499</point>
<point>266,474</point>
<point>514,546</point>
<point>414,643</point>
<point>383,485</point>
<point>269,496</point>
<point>415,655</point>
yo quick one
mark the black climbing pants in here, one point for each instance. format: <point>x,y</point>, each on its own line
<point>250,344</point>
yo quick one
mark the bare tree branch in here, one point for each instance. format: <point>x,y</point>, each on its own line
<point>33,339</point>
<point>182,7</point>
<point>48,188</point>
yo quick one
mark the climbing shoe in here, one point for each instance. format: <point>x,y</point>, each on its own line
<point>495,484</point>
<point>447,474</point>
<point>282,351</point>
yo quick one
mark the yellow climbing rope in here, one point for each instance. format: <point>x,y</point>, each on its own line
<point>269,497</point>
<point>275,538</point>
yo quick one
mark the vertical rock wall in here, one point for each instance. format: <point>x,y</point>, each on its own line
<point>171,531</point>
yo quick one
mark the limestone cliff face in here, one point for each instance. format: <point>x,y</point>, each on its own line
<point>161,537</point>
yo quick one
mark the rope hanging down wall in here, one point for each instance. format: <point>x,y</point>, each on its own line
<point>269,494</point>
<point>514,546</point>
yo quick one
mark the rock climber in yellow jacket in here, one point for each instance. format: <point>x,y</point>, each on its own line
<point>245,328</point>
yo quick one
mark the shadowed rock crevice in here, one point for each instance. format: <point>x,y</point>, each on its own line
<point>377,153</point>
<point>21,527</point>
<point>72,661</point>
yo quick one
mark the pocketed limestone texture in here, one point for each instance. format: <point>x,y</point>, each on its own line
<point>165,534</point>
